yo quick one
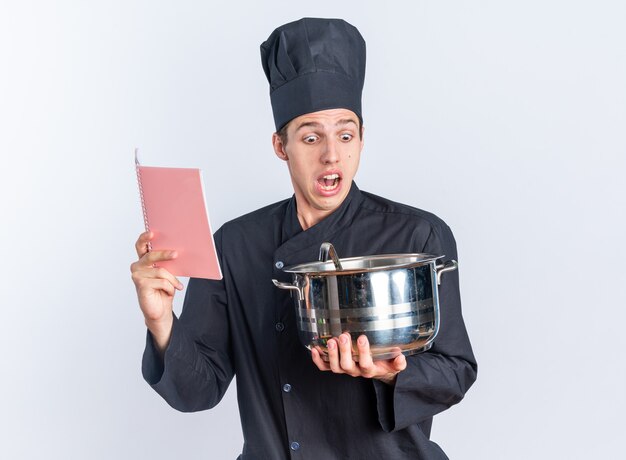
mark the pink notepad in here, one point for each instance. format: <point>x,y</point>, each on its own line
<point>175,211</point>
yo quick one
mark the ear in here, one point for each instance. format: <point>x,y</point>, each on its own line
<point>279,147</point>
<point>362,135</point>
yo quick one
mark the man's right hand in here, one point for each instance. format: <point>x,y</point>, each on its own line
<point>155,290</point>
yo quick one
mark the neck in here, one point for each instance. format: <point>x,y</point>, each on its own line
<point>312,217</point>
<point>309,215</point>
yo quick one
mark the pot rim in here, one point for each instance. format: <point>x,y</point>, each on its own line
<point>350,264</point>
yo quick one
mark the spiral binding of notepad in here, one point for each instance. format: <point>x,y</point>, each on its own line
<point>143,203</point>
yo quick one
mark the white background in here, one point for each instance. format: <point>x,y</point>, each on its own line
<point>504,118</point>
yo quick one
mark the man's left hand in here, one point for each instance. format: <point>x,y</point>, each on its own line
<point>340,360</point>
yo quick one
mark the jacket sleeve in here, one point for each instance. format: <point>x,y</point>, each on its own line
<point>439,378</point>
<point>196,368</point>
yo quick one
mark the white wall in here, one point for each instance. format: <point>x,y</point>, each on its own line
<point>505,118</point>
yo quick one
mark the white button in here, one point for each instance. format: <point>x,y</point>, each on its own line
<point>279,264</point>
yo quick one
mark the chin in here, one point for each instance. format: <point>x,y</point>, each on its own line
<point>331,203</point>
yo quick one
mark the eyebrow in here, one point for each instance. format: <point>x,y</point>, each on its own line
<point>309,124</point>
<point>345,121</point>
<point>315,124</point>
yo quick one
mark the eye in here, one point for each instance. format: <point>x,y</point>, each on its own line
<point>346,137</point>
<point>310,139</point>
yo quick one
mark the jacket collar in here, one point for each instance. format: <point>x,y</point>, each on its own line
<point>297,243</point>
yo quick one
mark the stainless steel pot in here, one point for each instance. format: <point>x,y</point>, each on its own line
<point>392,299</point>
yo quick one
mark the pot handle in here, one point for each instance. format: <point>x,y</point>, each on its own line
<point>289,287</point>
<point>449,266</point>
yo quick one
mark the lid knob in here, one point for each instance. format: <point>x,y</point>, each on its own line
<point>328,250</point>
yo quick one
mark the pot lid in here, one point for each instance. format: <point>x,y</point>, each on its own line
<point>363,264</point>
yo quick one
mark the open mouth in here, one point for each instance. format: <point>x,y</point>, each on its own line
<point>329,182</point>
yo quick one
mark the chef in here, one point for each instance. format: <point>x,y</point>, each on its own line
<point>292,403</point>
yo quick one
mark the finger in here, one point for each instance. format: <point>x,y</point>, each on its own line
<point>141,245</point>
<point>319,362</point>
<point>366,363</point>
<point>152,257</point>
<point>163,273</point>
<point>346,361</point>
<point>155,284</point>
<point>333,357</point>
<point>399,363</point>
<point>140,271</point>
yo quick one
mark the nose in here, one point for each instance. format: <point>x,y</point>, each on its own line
<point>330,153</point>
